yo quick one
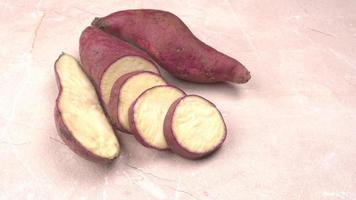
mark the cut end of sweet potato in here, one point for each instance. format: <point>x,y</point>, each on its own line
<point>194,127</point>
<point>148,112</point>
<point>80,119</point>
<point>123,66</point>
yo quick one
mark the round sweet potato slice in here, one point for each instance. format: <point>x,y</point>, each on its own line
<point>125,91</point>
<point>194,127</point>
<point>147,115</point>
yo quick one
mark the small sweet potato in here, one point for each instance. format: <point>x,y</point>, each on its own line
<point>170,42</point>
<point>106,58</point>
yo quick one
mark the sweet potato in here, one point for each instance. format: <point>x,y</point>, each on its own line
<point>79,117</point>
<point>106,58</point>
<point>125,91</point>
<point>170,42</point>
<point>147,113</point>
<point>194,127</point>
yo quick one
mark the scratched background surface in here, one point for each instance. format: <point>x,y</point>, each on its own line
<point>291,129</point>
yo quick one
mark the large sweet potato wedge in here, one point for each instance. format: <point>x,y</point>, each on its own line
<point>80,120</point>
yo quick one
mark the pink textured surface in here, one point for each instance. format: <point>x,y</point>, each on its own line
<point>291,129</point>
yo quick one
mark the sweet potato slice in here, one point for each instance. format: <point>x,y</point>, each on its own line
<point>125,91</point>
<point>79,117</point>
<point>194,127</point>
<point>147,115</point>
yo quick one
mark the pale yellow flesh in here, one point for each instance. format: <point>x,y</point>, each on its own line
<point>197,125</point>
<point>121,67</point>
<point>82,112</point>
<point>131,89</point>
<point>150,111</point>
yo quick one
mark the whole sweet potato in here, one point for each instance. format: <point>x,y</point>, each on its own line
<point>170,42</point>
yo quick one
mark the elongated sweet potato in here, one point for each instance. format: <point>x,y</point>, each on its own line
<point>80,120</point>
<point>194,127</point>
<point>170,42</point>
<point>125,91</point>
<point>106,58</point>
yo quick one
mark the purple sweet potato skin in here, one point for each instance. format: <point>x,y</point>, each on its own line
<point>173,143</point>
<point>170,42</point>
<point>66,135</point>
<point>98,50</point>
<point>133,127</point>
